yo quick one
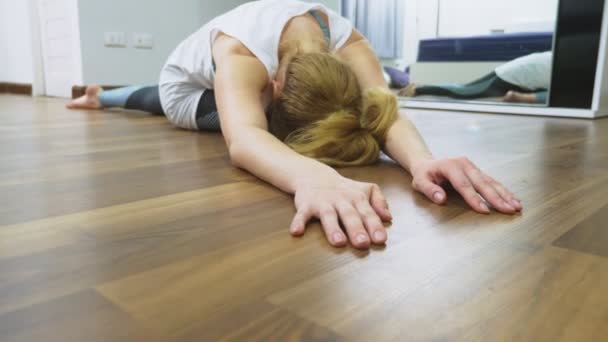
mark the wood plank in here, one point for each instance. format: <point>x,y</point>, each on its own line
<point>177,243</point>
<point>110,243</point>
<point>257,321</point>
<point>281,325</point>
<point>497,294</point>
<point>589,236</point>
<point>30,201</point>
<point>83,316</point>
<point>202,286</point>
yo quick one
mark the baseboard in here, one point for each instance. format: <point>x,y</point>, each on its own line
<point>78,91</point>
<point>15,88</point>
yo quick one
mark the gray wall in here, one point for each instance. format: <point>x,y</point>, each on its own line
<point>332,4</point>
<point>168,21</point>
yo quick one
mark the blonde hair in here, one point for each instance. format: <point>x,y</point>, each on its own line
<point>323,114</point>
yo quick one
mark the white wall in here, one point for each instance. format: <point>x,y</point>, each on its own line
<point>475,17</point>
<point>168,21</point>
<point>15,43</point>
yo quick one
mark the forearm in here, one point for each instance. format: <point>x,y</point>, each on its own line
<point>405,145</point>
<point>260,153</point>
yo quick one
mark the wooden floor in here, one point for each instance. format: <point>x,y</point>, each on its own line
<point>116,226</point>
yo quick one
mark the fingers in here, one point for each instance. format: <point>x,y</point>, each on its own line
<point>463,185</point>
<point>351,220</point>
<point>506,194</point>
<point>469,181</point>
<point>502,203</point>
<point>298,224</point>
<point>372,222</point>
<point>353,225</point>
<point>431,190</point>
<point>331,227</point>
<point>379,203</point>
<point>472,183</point>
<point>354,214</point>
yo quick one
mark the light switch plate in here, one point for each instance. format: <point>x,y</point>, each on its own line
<point>143,41</point>
<point>115,39</point>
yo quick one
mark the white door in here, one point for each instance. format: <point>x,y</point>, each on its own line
<point>421,22</point>
<point>60,45</point>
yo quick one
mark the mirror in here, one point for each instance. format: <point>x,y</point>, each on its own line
<point>479,51</point>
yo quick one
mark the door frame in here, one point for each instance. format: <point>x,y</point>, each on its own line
<point>39,79</point>
<point>38,82</point>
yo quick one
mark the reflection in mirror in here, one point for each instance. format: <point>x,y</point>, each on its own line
<point>480,50</point>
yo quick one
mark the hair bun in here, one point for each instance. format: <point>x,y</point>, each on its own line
<point>380,110</point>
<point>337,140</point>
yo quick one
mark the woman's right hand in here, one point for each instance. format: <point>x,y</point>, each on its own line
<point>360,207</point>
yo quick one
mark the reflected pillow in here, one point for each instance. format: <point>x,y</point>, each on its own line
<point>399,79</point>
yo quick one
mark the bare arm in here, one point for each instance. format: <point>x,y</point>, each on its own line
<point>319,190</point>
<point>405,145</point>
<point>239,84</point>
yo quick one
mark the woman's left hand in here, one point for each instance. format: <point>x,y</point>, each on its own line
<point>475,186</point>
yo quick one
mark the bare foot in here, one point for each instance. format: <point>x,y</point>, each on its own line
<point>514,96</point>
<point>409,91</point>
<point>89,100</point>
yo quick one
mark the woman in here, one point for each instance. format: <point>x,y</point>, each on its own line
<point>327,104</point>
<point>522,80</point>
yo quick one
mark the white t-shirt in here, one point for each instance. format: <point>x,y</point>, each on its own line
<point>531,72</point>
<point>258,25</point>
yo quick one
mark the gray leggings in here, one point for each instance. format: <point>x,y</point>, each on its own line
<point>147,99</point>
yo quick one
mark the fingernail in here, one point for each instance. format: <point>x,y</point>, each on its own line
<point>379,236</point>
<point>516,203</point>
<point>438,197</point>
<point>388,213</point>
<point>507,205</point>
<point>361,238</point>
<point>337,237</point>
<point>484,207</point>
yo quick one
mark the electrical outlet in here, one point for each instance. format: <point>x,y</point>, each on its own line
<point>115,39</point>
<point>143,41</point>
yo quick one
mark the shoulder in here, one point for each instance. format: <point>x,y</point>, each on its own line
<point>225,45</point>
<point>234,62</point>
